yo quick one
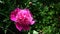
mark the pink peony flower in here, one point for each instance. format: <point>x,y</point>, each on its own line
<point>22,18</point>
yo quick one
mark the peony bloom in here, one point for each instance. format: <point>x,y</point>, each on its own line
<point>22,18</point>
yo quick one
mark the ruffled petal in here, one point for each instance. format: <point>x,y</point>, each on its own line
<point>28,11</point>
<point>13,14</point>
<point>32,22</point>
<point>29,16</point>
<point>18,26</point>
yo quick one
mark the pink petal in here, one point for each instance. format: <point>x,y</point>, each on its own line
<point>18,26</point>
<point>28,11</point>
<point>32,22</point>
<point>13,14</point>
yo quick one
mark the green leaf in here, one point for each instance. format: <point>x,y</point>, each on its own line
<point>34,0</point>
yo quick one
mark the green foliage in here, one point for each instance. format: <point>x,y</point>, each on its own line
<point>45,12</point>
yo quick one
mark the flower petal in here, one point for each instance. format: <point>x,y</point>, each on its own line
<point>18,26</point>
<point>13,14</point>
<point>32,22</point>
<point>28,11</point>
<point>30,18</point>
